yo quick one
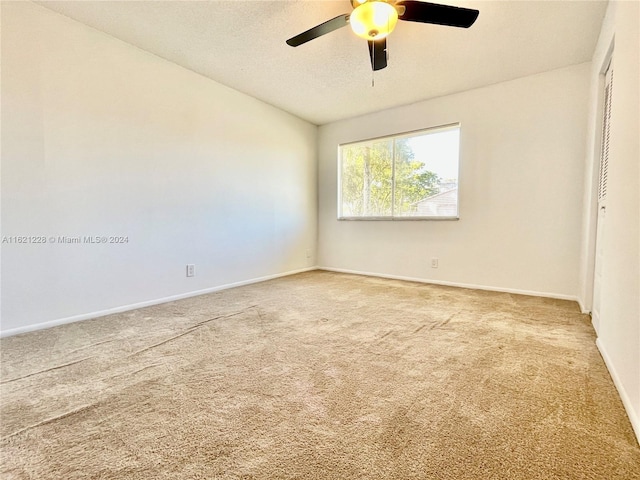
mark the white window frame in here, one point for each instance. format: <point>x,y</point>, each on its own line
<point>391,217</point>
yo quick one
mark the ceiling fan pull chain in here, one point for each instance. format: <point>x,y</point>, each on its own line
<point>373,78</point>
<point>373,82</point>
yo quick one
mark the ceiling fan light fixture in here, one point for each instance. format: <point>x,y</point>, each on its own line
<point>373,20</point>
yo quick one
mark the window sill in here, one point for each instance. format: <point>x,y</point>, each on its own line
<point>397,219</point>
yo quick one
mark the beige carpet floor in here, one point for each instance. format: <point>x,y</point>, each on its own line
<point>317,376</point>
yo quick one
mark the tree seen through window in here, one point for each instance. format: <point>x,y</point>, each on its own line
<point>404,176</point>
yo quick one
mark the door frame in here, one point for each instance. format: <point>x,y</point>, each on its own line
<point>591,192</point>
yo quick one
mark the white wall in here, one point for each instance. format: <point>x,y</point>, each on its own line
<point>101,138</point>
<point>619,328</point>
<point>521,171</point>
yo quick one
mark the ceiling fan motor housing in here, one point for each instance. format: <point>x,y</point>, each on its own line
<point>357,3</point>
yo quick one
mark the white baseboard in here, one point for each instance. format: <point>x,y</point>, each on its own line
<point>626,401</point>
<point>148,303</point>
<point>583,308</point>
<point>455,284</point>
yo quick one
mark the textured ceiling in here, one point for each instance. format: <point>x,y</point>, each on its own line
<point>242,44</point>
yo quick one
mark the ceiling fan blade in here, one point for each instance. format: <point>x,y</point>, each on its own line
<point>378,53</point>
<point>319,30</point>
<point>415,11</point>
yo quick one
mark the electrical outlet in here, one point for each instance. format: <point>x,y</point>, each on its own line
<point>191,270</point>
<point>434,263</point>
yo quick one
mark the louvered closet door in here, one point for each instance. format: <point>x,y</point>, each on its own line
<point>602,197</point>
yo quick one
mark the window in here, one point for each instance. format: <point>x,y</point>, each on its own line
<point>408,176</point>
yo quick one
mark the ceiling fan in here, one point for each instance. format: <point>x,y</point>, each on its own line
<point>373,20</point>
